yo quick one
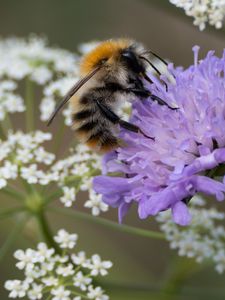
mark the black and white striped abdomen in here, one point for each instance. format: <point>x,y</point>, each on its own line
<point>91,126</point>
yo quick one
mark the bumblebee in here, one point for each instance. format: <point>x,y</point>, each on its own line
<point>111,73</point>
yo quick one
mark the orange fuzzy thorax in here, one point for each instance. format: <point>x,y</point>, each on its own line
<point>107,49</point>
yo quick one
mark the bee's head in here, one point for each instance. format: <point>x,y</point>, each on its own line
<point>114,54</point>
<point>132,59</point>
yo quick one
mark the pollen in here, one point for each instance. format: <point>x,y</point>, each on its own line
<point>105,50</point>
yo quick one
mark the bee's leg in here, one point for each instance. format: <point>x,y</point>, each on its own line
<point>115,119</point>
<point>145,94</point>
<point>160,101</point>
<point>138,92</point>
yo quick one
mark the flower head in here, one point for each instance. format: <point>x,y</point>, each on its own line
<point>203,239</point>
<point>166,171</point>
<point>66,240</point>
<point>58,276</point>
<point>203,11</point>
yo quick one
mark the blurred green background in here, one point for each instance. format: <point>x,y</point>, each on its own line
<point>141,266</point>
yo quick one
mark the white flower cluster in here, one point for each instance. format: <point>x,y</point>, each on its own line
<point>62,276</point>
<point>21,58</point>
<point>9,101</point>
<point>79,169</point>
<point>203,11</point>
<point>53,92</point>
<point>22,155</point>
<point>33,60</point>
<point>203,239</point>
<point>19,150</point>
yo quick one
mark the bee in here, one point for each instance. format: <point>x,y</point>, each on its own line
<point>113,72</point>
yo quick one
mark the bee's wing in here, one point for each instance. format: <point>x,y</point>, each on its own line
<point>71,92</point>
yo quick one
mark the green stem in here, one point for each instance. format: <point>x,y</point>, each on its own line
<point>8,122</point>
<point>110,224</point>
<point>12,193</point>
<point>46,231</point>
<point>2,133</point>
<point>180,271</point>
<point>30,188</point>
<point>53,196</point>
<point>59,138</point>
<point>80,295</point>
<point>13,235</point>
<point>10,211</point>
<point>29,100</point>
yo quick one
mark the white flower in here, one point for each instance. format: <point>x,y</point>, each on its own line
<point>65,240</point>
<point>80,169</point>
<point>79,258</point>
<point>81,281</point>
<point>43,252</point>
<point>13,103</point>
<point>24,155</point>
<point>203,239</point>
<point>9,170</point>
<point>32,273</point>
<point>47,107</point>
<point>41,75</point>
<point>30,173</point>
<point>4,150</point>
<point>60,87</point>
<point>60,293</point>
<point>3,182</point>
<point>18,288</point>
<point>50,281</point>
<point>95,203</point>
<point>219,259</point>
<point>69,196</point>
<point>96,293</point>
<point>65,270</point>
<point>43,156</point>
<point>35,292</point>
<point>47,272</point>
<point>86,184</point>
<point>203,11</point>
<point>67,113</point>
<point>26,258</point>
<point>98,266</point>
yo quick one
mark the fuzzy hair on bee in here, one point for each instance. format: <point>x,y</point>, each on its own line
<point>111,73</point>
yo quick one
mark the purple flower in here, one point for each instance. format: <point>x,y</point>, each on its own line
<point>187,149</point>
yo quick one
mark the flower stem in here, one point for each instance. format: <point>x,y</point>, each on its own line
<point>110,224</point>
<point>2,133</point>
<point>10,211</point>
<point>180,271</point>
<point>8,122</point>
<point>13,235</point>
<point>79,294</point>
<point>59,138</point>
<point>14,194</point>
<point>29,99</point>
<point>46,231</point>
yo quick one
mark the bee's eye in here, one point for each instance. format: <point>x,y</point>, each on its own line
<point>128,55</point>
<point>131,61</point>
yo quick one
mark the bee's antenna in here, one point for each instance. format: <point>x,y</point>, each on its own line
<point>71,92</point>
